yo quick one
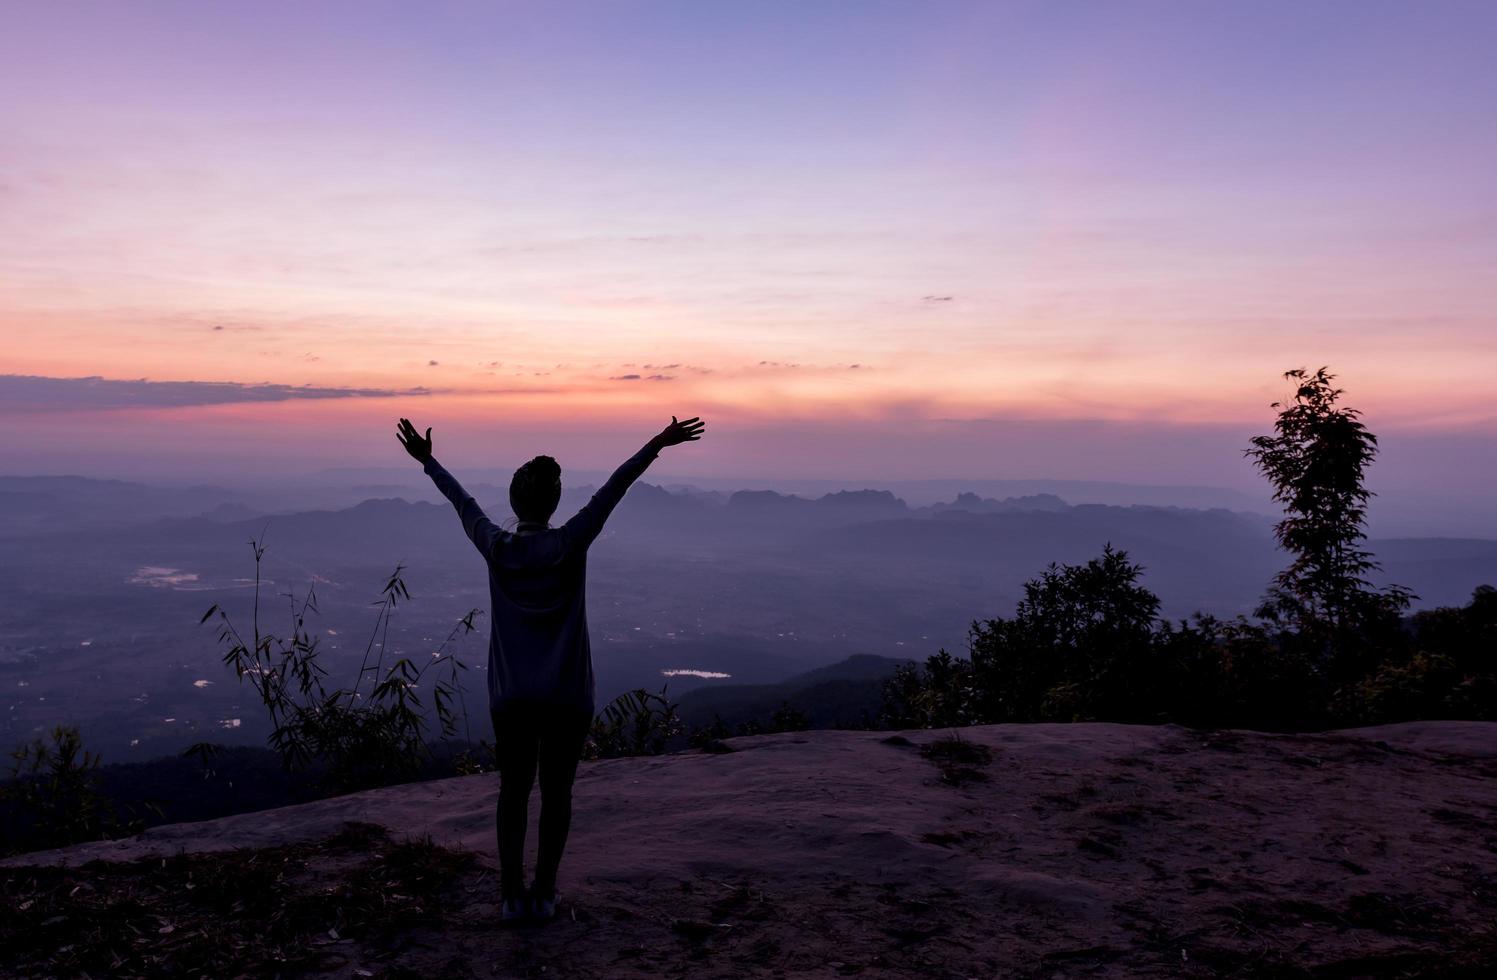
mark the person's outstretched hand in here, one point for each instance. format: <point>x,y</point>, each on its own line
<point>679,432</point>
<point>415,443</point>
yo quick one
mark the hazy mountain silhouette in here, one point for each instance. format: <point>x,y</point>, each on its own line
<point>38,504</point>
<point>973,504</point>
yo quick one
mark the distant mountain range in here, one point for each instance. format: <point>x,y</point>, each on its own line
<point>1213,559</point>
<point>42,504</point>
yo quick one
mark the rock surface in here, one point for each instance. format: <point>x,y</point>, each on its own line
<point>1088,849</point>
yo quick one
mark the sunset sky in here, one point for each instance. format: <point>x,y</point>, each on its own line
<point>862,239</point>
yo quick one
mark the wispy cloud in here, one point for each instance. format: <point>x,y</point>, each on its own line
<point>32,393</point>
<point>771,366</point>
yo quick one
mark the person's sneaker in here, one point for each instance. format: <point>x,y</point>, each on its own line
<point>543,907</point>
<point>512,911</point>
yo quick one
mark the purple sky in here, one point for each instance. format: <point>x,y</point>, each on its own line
<point>988,239</point>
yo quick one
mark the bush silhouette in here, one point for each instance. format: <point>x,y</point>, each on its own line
<point>53,797</point>
<point>353,737</point>
<point>634,723</point>
<point>1085,642</point>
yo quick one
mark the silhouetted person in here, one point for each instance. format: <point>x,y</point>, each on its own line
<point>541,689</point>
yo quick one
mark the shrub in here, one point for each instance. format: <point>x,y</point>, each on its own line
<point>1085,642</point>
<point>937,694</point>
<point>634,723</point>
<point>354,737</point>
<point>1204,671</point>
<point>53,797</point>
<point>1446,668</point>
<point>787,718</point>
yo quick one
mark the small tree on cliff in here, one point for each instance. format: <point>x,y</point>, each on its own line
<point>1316,459</point>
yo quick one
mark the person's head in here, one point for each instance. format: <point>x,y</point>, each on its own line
<point>536,490</point>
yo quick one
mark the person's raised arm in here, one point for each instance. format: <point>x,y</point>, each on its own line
<point>588,522</point>
<point>484,533</point>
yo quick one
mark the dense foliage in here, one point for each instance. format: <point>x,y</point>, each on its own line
<point>1326,648</point>
<point>1083,645</point>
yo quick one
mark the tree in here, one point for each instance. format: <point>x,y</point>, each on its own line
<point>1316,460</point>
<point>1083,644</point>
<point>1080,646</point>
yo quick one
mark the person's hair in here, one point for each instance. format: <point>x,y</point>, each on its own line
<point>536,490</point>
